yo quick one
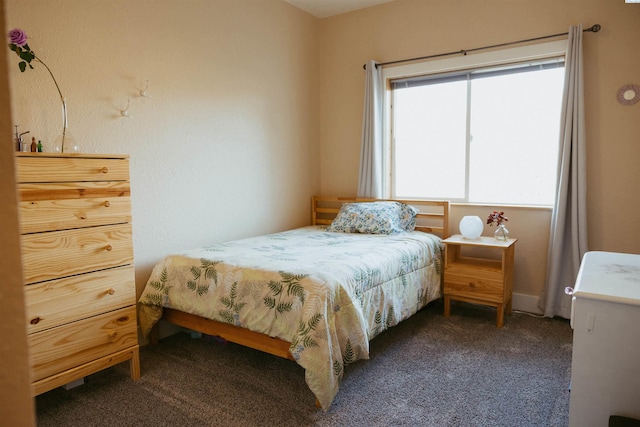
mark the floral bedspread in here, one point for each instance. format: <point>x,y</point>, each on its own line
<point>326,293</point>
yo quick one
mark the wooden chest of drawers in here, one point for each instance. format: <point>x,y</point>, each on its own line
<point>77,255</point>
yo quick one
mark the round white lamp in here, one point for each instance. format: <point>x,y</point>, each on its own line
<point>471,227</point>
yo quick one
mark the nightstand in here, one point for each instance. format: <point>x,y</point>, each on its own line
<point>472,274</point>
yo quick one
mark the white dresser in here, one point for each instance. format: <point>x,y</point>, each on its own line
<point>605,317</point>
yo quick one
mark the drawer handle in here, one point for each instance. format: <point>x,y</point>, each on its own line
<point>107,203</point>
<point>113,334</point>
<point>35,320</point>
<point>109,248</point>
<point>104,170</point>
<point>111,291</point>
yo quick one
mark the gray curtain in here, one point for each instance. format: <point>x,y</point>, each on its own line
<point>568,237</point>
<point>370,177</point>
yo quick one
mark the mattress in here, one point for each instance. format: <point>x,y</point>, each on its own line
<point>326,293</point>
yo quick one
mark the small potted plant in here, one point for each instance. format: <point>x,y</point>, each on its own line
<point>498,218</point>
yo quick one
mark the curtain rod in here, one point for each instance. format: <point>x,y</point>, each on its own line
<point>595,28</point>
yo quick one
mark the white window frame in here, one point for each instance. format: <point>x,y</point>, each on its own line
<point>495,58</point>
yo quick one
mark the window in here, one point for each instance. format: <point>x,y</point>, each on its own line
<point>477,134</point>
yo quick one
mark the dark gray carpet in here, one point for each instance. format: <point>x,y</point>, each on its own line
<point>427,371</point>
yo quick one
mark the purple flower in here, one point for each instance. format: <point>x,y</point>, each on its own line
<point>18,37</point>
<point>18,44</point>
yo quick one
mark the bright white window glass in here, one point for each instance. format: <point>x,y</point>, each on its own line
<point>514,135</point>
<point>481,140</point>
<point>429,146</point>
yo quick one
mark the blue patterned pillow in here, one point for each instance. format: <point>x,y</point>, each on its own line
<point>374,218</point>
<point>408,217</point>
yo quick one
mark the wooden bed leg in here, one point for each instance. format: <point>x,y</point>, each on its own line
<point>154,335</point>
<point>447,306</point>
<point>500,316</point>
<point>318,405</point>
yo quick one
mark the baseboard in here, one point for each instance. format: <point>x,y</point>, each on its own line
<point>524,302</point>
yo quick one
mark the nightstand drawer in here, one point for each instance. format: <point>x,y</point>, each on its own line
<point>48,256</point>
<point>56,302</point>
<point>42,168</point>
<point>58,349</point>
<point>481,284</point>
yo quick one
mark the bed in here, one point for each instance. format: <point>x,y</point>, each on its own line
<point>317,294</point>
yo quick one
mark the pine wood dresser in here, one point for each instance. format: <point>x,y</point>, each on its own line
<point>479,279</point>
<point>77,255</point>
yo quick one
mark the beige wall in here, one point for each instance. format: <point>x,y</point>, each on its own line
<point>257,105</point>
<point>16,404</point>
<point>411,28</point>
<point>236,117</point>
<point>226,146</point>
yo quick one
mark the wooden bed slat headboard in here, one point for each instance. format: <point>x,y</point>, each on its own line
<point>432,217</point>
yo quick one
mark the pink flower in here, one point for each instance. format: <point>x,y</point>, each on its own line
<point>18,37</point>
<point>497,217</point>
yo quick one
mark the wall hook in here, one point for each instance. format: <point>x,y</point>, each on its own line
<point>125,112</point>
<point>144,92</point>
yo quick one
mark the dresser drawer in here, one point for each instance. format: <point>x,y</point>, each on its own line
<point>56,302</point>
<point>43,168</point>
<point>57,254</point>
<point>481,284</point>
<point>64,347</point>
<point>50,215</point>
